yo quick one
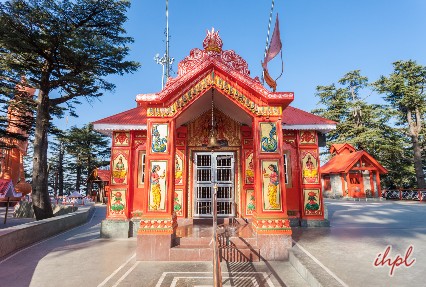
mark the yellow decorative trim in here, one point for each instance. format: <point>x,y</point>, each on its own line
<point>227,88</point>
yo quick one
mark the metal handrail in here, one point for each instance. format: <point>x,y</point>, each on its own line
<point>217,272</point>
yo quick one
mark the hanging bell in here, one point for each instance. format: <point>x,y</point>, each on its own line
<point>213,144</point>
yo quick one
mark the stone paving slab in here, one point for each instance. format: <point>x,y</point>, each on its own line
<point>191,274</point>
<point>79,257</point>
<point>359,232</point>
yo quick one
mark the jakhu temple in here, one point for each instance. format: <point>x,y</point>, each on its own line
<point>164,171</point>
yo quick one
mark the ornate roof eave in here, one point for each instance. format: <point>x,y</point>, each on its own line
<point>322,128</point>
<point>108,129</point>
<point>179,85</point>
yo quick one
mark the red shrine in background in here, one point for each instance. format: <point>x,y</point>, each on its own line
<point>13,149</point>
<point>351,173</point>
<point>266,170</point>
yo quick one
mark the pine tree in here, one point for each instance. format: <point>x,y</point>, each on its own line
<point>365,126</point>
<point>65,48</point>
<point>405,91</point>
<point>89,149</point>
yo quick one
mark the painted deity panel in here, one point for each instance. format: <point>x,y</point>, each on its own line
<point>160,135</point>
<point>178,202</point>
<point>121,138</point>
<point>118,201</point>
<point>120,168</point>
<point>157,185</point>
<point>179,168</point>
<point>268,137</point>
<point>271,187</point>
<point>309,166</point>
<point>250,201</point>
<point>249,173</point>
<point>307,137</point>
<point>312,202</point>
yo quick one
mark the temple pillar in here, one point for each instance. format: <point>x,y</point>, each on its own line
<point>312,198</point>
<point>270,219</point>
<point>117,224</point>
<point>158,223</point>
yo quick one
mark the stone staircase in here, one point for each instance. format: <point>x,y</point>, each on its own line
<point>237,243</point>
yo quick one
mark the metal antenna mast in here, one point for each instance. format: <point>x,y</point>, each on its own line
<point>165,61</point>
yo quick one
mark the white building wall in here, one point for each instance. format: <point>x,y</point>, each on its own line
<point>336,184</point>
<point>366,180</point>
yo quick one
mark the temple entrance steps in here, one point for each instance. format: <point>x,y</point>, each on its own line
<point>237,243</point>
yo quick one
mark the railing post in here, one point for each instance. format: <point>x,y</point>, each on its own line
<point>217,272</point>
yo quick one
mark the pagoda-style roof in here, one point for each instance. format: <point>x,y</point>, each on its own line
<point>104,175</point>
<point>226,74</point>
<point>341,148</point>
<point>357,160</point>
<point>296,119</point>
<point>212,58</point>
<point>133,119</point>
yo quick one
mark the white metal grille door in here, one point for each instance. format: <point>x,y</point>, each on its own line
<point>210,169</point>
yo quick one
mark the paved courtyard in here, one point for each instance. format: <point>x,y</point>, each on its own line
<point>346,251</point>
<point>360,231</point>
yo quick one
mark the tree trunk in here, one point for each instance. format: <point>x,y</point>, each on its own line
<point>40,193</point>
<point>89,171</point>
<point>418,166</point>
<point>61,170</point>
<point>78,177</point>
<point>55,184</point>
<point>415,127</point>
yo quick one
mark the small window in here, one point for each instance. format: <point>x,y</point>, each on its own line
<point>287,169</point>
<point>141,168</point>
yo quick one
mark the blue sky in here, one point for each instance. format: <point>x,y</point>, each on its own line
<point>322,40</point>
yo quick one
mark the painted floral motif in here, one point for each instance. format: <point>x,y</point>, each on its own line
<point>121,139</point>
<point>117,202</point>
<point>177,206</point>
<point>251,202</point>
<point>307,137</point>
<point>269,143</point>
<point>311,203</point>
<point>160,225</point>
<point>272,225</point>
<point>159,141</point>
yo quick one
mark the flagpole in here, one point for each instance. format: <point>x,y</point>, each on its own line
<point>167,41</point>
<point>267,36</point>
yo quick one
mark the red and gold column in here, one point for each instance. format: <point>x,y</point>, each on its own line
<point>311,195</point>
<point>270,220</point>
<point>118,203</point>
<point>158,222</point>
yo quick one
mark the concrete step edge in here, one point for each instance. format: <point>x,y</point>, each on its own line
<point>310,271</point>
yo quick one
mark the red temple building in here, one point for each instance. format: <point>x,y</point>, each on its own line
<point>163,172</point>
<point>13,149</point>
<point>351,173</point>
